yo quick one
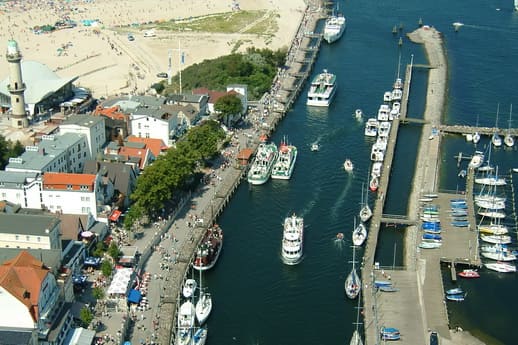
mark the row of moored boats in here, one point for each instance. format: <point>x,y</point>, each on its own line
<point>196,302</point>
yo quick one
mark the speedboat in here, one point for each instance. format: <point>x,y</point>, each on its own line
<point>189,287</point>
<point>398,84</point>
<point>334,27</point>
<point>454,291</point>
<point>348,165</point>
<point>397,94</point>
<point>285,163</point>
<point>501,267</point>
<point>322,89</point>
<point>374,183</point>
<point>384,129</point>
<point>315,147</point>
<point>469,274</point>
<point>376,169</point>
<point>387,96</point>
<point>456,298</point>
<point>292,240</point>
<point>371,127</point>
<point>262,165</point>
<point>383,112</point>
<point>358,113</point>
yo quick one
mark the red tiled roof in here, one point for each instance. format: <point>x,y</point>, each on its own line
<point>23,276</point>
<point>134,152</point>
<point>68,181</point>
<point>213,95</point>
<point>155,145</point>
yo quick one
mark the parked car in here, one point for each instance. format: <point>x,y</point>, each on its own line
<point>162,75</point>
<point>434,339</point>
<point>131,37</point>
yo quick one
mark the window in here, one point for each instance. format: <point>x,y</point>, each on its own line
<point>139,125</point>
<point>38,239</point>
<point>69,186</point>
<point>17,237</point>
<point>28,238</point>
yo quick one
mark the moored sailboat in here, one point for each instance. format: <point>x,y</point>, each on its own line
<point>508,139</point>
<point>352,282</point>
<point>365,211</point>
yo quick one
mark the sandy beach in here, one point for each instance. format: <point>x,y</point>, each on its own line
<point>106,61</point>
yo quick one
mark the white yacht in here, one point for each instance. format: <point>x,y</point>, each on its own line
<point>334,27</point>
<point>383,112</point>
<point>376,169</point>
<point>384,129</point>
<point>292,240</point>
<point>322,89</point>
<point>397,94</point>
<point>387,96</point>
<point>186,316</point>
<point>189,287</point>
<point>371,127</point>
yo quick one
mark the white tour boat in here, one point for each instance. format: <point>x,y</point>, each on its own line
<point>292,240</point>
<point>334,27</point>
<point>322,89</point>
<point>285,163</point>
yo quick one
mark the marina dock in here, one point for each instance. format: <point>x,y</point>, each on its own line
<point>419,305</point>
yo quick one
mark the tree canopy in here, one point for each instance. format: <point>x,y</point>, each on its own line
<point>228,105</point>
<point>168,175</point>
<point>9,149</point>
<point>255,68</point>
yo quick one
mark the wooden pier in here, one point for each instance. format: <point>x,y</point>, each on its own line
<point>460,129</point>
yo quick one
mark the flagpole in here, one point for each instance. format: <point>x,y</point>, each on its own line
<point>180,64</point>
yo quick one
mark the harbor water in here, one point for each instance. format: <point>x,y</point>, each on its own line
<point>258,299</point>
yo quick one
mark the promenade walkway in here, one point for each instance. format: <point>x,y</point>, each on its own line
<point>168,245</point>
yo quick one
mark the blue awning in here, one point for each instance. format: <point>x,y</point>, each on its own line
<point>134,296</point>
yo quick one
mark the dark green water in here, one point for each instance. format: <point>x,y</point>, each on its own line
<point>257,299</point>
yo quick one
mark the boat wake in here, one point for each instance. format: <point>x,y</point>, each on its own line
<point>342,197</point>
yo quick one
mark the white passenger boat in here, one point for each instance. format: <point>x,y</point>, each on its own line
<point>500,239</point>
<point>348,165</point>
<point>477,160</point>
<point>261,168</point>
<point>322,89</point>
<point>189,287</point>
<point>371,127</point>
<point>383,112</point>
<point>285,163</point>
<point>292,240</point>
<point>501,267</point>
<point>334,27</point>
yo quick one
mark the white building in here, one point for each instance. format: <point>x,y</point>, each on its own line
<point>58,153</point>
<point>32,305</point>
<point>93,127</point>
<point>73,193</point>
<point>153,123</point>
<point>22,188</point>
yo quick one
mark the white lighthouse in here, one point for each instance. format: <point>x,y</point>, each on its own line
<point>16,86</point>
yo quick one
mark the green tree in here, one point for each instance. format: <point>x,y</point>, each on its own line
<point>8,150</point>
<point>99,249</point>
<point>86,316</point>
<point>106,268</point>
<point>114,251</point>
<point>98,293</point>
<point>228,105</point>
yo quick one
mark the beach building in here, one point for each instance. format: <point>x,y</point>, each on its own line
<point>58,153</point>
<point>34,310</point>
<point>44,89</point>
<point>93,127</point>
